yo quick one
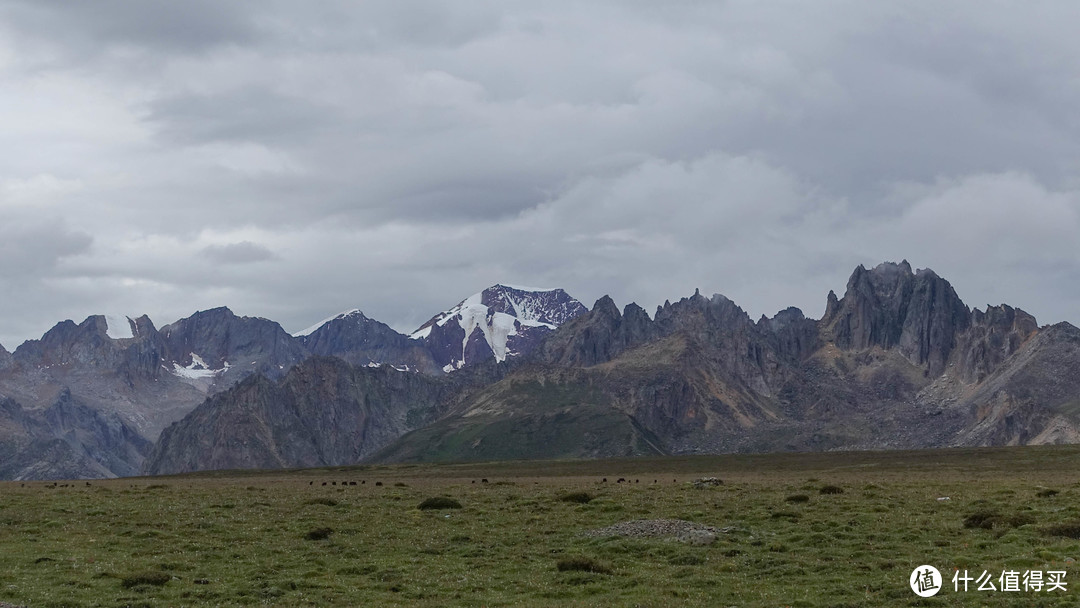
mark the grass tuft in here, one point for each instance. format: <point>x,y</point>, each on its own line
<point>982,519</point>
<point>330,502</point>
<point>319,534</point>
<point>1068,530</point>
<point>583,564</point>
<point>439,502</point>
<point>578,497</point>
<point>145,578</point>
<point>989,520</point>
<point>1046,493</point>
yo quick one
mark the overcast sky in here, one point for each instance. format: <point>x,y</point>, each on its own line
<point>291,160</point>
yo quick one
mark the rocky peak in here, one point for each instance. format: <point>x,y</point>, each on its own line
<point>792,334</point>
<point>832,306</point>
<point>360,340</point>
<point>697,314</point>
<point>891,307</point>
<point>99,341</point>
<point>994,335</point>
<point>598,335</point>
<point>217,339</point>
<point>782,319</point>
<point>606,308</point>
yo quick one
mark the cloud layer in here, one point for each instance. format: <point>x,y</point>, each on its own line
<point>290,161</point>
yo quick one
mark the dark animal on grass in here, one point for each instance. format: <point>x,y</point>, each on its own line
<point>324,483</point>
<point>378,483</point>
<point>352,483</point>
<point>621,480</point>
<point>604,480</point>
<point>484,480</point>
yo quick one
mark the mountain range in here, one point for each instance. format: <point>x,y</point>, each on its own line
<point>90,399</point>
<point>898,362</point>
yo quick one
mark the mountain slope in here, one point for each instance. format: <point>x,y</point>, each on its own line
<point>323,412</point>
<point>354,337</point>
<point>66,440</point>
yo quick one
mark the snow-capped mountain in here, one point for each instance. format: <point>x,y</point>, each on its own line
<point>502,321</point>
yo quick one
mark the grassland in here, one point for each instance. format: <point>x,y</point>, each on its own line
<point>284,539</point>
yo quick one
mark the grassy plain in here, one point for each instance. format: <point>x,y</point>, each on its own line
<point>281,538</point>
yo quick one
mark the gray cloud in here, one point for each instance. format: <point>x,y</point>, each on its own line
<point>83,28</point>
<point>398,157</point>
<point>31,250</point>
<point>244,252</point>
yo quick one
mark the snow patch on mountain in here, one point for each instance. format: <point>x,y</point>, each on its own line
<point>118,327</point>
<point>197,369</point>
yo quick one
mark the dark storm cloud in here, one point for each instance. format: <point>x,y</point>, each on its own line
<point>425,150</point>
<point>90,27</point>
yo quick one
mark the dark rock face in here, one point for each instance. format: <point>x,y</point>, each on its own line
<point>247,344</point>
<point>323,412</point>
<point>103,439</point>
<point>891,307</point>
<point>598,335</point>
<point>794,337</point>
<point>354,337</point>
<point>993,337</point>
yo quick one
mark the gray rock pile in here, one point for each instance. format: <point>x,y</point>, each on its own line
<point>675,529</point>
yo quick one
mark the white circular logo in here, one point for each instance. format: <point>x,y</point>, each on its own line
<point>925,581</point>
